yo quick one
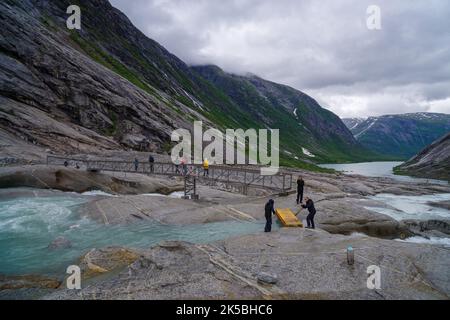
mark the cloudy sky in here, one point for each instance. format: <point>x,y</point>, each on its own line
<point>323,48</point>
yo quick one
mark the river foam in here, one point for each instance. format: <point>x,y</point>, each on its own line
<point>29,224</point>
<point>412,207</point>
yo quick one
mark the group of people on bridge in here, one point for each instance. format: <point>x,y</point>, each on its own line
<point>178,163</point>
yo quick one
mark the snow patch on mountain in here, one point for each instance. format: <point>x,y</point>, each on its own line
<point>307,153</point>
<point>368,127</point>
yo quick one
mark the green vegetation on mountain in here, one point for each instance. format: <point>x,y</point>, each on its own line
<point>173,94</point>
<point>399,137</point>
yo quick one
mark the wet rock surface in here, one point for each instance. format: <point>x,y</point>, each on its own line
<point>442,204</point>
<point>26,286</point>
<point>421,227</point>
<point>309,265</point>
<point>60,243</point>
<point>104,260</point>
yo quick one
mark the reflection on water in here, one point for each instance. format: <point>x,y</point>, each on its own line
<point>28,225</point>
<point>376,169</point>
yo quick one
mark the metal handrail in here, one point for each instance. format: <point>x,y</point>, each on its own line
<point>218,173</point>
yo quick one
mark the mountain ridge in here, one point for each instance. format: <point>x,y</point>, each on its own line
<point>113,87</point>
<point>431,162</point>
<point>399,136</point>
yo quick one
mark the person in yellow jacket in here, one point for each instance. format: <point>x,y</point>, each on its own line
<point>205,167</point>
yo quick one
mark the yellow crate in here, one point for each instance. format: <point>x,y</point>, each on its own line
<point>288,218</point>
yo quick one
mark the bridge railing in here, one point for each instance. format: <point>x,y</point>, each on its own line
<point>9,162</point>
<point>218,173</point>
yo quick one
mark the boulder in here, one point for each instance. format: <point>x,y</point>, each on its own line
<point>264,277</point>
<point>60,243</point>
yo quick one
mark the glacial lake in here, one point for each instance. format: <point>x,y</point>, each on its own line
<point>377,169</point>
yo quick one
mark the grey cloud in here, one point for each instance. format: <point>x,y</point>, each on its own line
<point>320,47</point>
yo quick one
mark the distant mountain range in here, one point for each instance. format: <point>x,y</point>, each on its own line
<point>399,136</point>
<point>431,162</point>
<point>108,86</point>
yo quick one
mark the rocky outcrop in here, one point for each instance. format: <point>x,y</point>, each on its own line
<point>306,265</point>
<point>27,281</point>
<point>432,162</point>
<point>423,228</point>
<point>79,180</point>
<point>441,204</point>
<point>62,90</point>
<point>60,243</point>
<point>110,259</point>
<point>346,217</point>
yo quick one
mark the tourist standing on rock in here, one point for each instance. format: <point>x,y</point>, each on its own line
<point>205,167</point>
<point>268,211</point>
<point>151,161</point>
<point>136,164</point>
<point>312,212</point>
<point>300,185</point>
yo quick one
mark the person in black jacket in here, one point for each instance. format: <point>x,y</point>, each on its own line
<point>151,161</point>
<point>300,185</point>
<point>309,204</point>
<point>269,210</point>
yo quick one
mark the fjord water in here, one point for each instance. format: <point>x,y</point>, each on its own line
<point>376,169</point>
<point>29,224</point>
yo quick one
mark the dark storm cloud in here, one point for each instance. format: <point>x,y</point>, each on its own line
<point>321,47</point>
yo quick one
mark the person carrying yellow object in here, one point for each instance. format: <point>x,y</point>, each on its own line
<point>205,167</point>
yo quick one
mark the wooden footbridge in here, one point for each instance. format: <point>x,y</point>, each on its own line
<point>232,178</point>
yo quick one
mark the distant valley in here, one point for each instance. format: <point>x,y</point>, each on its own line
<point>399,137</point>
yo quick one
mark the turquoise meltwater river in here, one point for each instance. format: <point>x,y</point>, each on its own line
<point>29,224</point>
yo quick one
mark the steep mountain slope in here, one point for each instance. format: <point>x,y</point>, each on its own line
<point>351,123</point>
<point>55,95</point>
<point>107,86</point>
<point>306,129</point>
<point>400,136</point>
<point>431,162</point>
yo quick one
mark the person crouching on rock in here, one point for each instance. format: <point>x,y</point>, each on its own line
<point>309,204</point>
<point>269,210</point>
